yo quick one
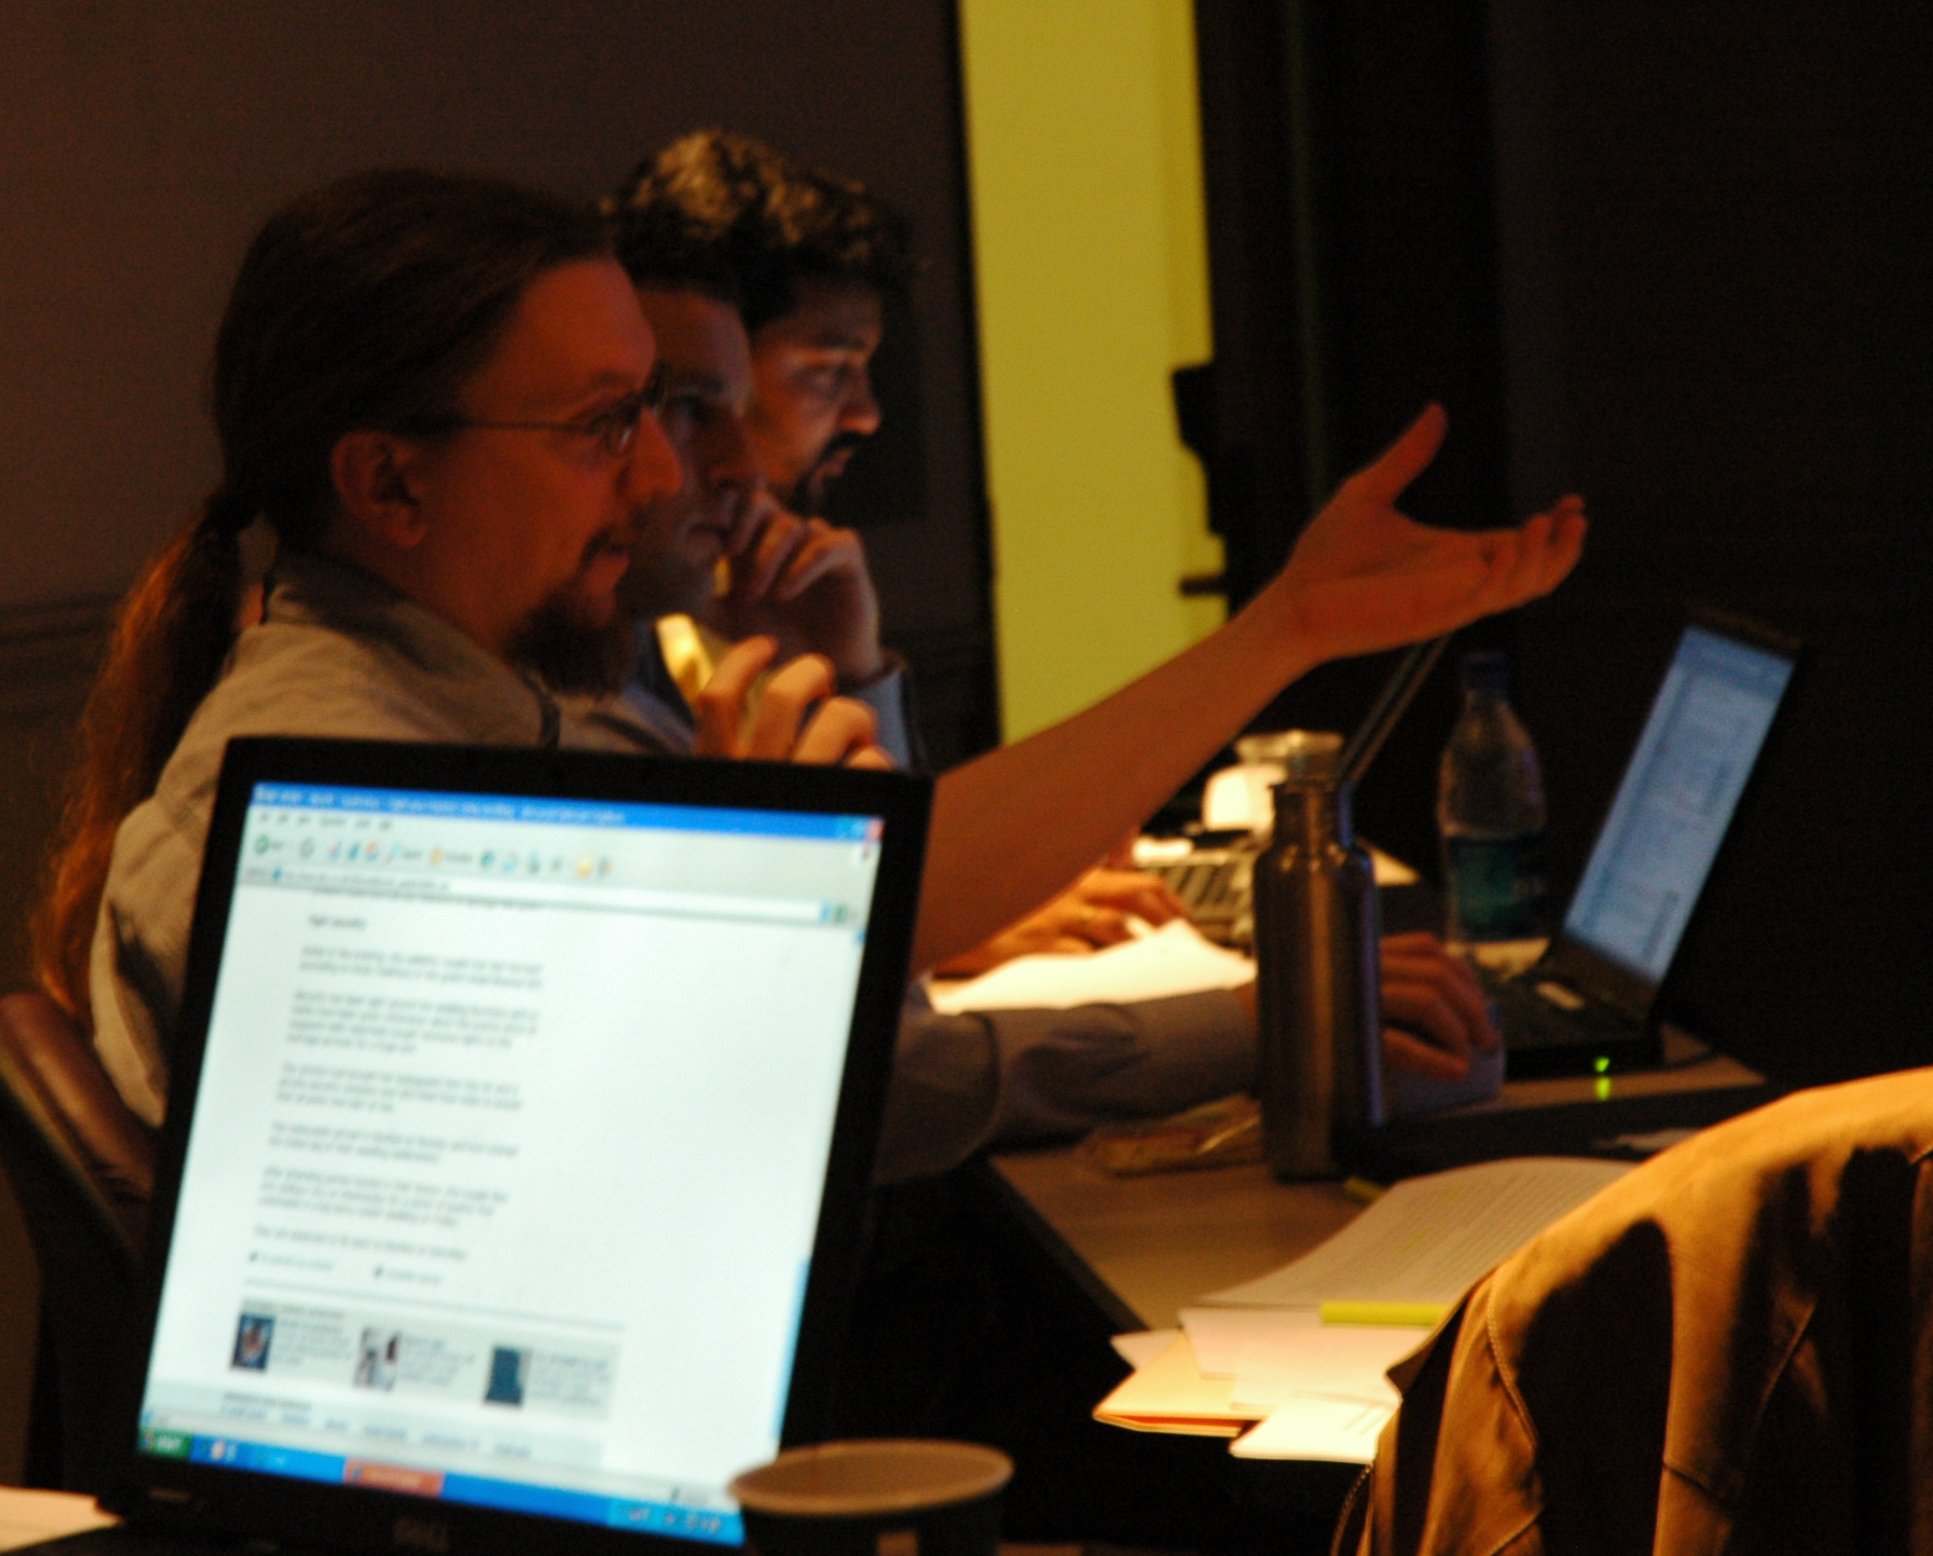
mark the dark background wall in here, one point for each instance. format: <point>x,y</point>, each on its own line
<point>1673,258</point>
<point>1714,235</point>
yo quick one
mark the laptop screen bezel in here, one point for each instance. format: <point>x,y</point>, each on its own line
<point>179,1491</point>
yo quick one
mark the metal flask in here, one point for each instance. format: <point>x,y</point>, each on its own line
<point>1317,932</point>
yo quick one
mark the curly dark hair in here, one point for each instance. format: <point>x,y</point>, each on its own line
<point>717,210</point>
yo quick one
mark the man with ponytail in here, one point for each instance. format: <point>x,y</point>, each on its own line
<point>437,393</point>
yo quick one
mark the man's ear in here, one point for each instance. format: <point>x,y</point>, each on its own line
<point>373,475</point>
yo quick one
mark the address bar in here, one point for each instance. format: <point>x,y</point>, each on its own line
<point>639,899</point>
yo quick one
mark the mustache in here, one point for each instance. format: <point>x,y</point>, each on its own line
<point>842,443</point>
<point>808,495</point>
<point>622,536</point>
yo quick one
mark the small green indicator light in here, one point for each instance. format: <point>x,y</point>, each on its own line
<point>1601,1065</point>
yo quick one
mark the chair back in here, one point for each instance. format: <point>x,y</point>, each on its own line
<point>82,1168</point>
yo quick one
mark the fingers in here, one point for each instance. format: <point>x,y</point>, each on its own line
<point>839,731</point>
<point>1095,926</point>
<point>874,758</point>
<point>1383,478</point>
<point>1131,891</point>
<point>787,555</point>
<point>823,552</point>
<point>797,718</point>
<point>1437,1005</point>
<point>755,567</point>
<point>1405,1052</point>
<point>751,522</point>
<point>1533,559</point>
<point>1434,996</point>
<point>718,710</point>
<point>779,721</point>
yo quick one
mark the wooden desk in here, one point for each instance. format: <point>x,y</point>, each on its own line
<point>1143,1248</point>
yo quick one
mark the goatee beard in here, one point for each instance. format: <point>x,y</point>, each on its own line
<point>572,655</point>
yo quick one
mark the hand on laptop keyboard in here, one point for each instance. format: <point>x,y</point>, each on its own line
<point>1104,907</point>
<point>1435,1013</point>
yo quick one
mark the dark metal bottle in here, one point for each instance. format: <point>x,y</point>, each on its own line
<point>1317,933</point>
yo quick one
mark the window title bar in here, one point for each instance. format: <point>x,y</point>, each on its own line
<point>332,800</point>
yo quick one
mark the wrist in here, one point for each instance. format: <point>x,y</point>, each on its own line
<point>1275,624</point>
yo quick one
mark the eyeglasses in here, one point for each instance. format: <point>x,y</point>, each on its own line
<point>615,427</point>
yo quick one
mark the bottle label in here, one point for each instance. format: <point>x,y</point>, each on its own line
<point>1495,887</point>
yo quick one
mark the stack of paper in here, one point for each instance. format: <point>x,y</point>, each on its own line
<point>1292,1365</point>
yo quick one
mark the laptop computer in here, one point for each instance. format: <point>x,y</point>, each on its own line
<point>519,1137</point>
<point>1590,1002</point>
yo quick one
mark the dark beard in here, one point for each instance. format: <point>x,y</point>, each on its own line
<point>571,655</point>
<point>810,493</point>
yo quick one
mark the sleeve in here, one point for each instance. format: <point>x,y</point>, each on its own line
<point>962,1083</point>
<point>140,954</point>
<point>890,696</point>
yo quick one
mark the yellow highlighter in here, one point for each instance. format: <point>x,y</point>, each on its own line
<point>1416,1315</point>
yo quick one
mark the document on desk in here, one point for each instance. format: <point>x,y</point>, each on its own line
<point>1428,1239</point>
<point>1179,1393</point>
<point>1272,1352</point>
<point>1170,1393</point>
<point>1174,959</point>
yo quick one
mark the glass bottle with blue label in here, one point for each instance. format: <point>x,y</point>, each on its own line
<point>1490,814</point>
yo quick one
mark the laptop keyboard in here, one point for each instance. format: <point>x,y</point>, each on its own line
<point>1535,1020</point>
<point>1213,884</point>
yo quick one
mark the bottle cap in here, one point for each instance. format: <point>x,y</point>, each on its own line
<point>1310,755</point>
<point>1486,670</point>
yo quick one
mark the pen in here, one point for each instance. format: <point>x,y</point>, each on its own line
<point>1420,1315</point>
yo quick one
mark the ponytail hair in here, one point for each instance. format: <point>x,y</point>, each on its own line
<point>368,303</point>
<point>170,638</point>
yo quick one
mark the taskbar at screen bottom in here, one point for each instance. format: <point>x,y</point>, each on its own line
<point>710,1525</point>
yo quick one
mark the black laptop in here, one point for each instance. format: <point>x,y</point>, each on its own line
<point>518,1142</point>
<point>1591,1001</point>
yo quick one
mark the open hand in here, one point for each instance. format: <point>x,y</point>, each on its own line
<point>1364,576</point>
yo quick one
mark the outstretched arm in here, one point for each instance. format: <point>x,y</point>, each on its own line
<point>1015,826</point>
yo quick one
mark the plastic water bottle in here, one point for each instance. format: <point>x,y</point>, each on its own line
<point>1490,813</point>
<point>1318,971</point>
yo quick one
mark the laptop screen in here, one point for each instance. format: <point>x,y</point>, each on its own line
<point>1701,740</point>
<point>510,1136</point>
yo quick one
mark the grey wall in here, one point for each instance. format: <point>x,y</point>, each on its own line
<point>142,141</point>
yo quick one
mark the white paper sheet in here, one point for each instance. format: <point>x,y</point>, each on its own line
<point>1277,1354</point>
<point>1341,1431</point>
<point>1174,959</point>
<point>1428,1239</point>
<point>1138,1350</point>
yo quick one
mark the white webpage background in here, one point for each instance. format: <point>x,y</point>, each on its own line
<point>1693,760</point>
<point>676,1097</point>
